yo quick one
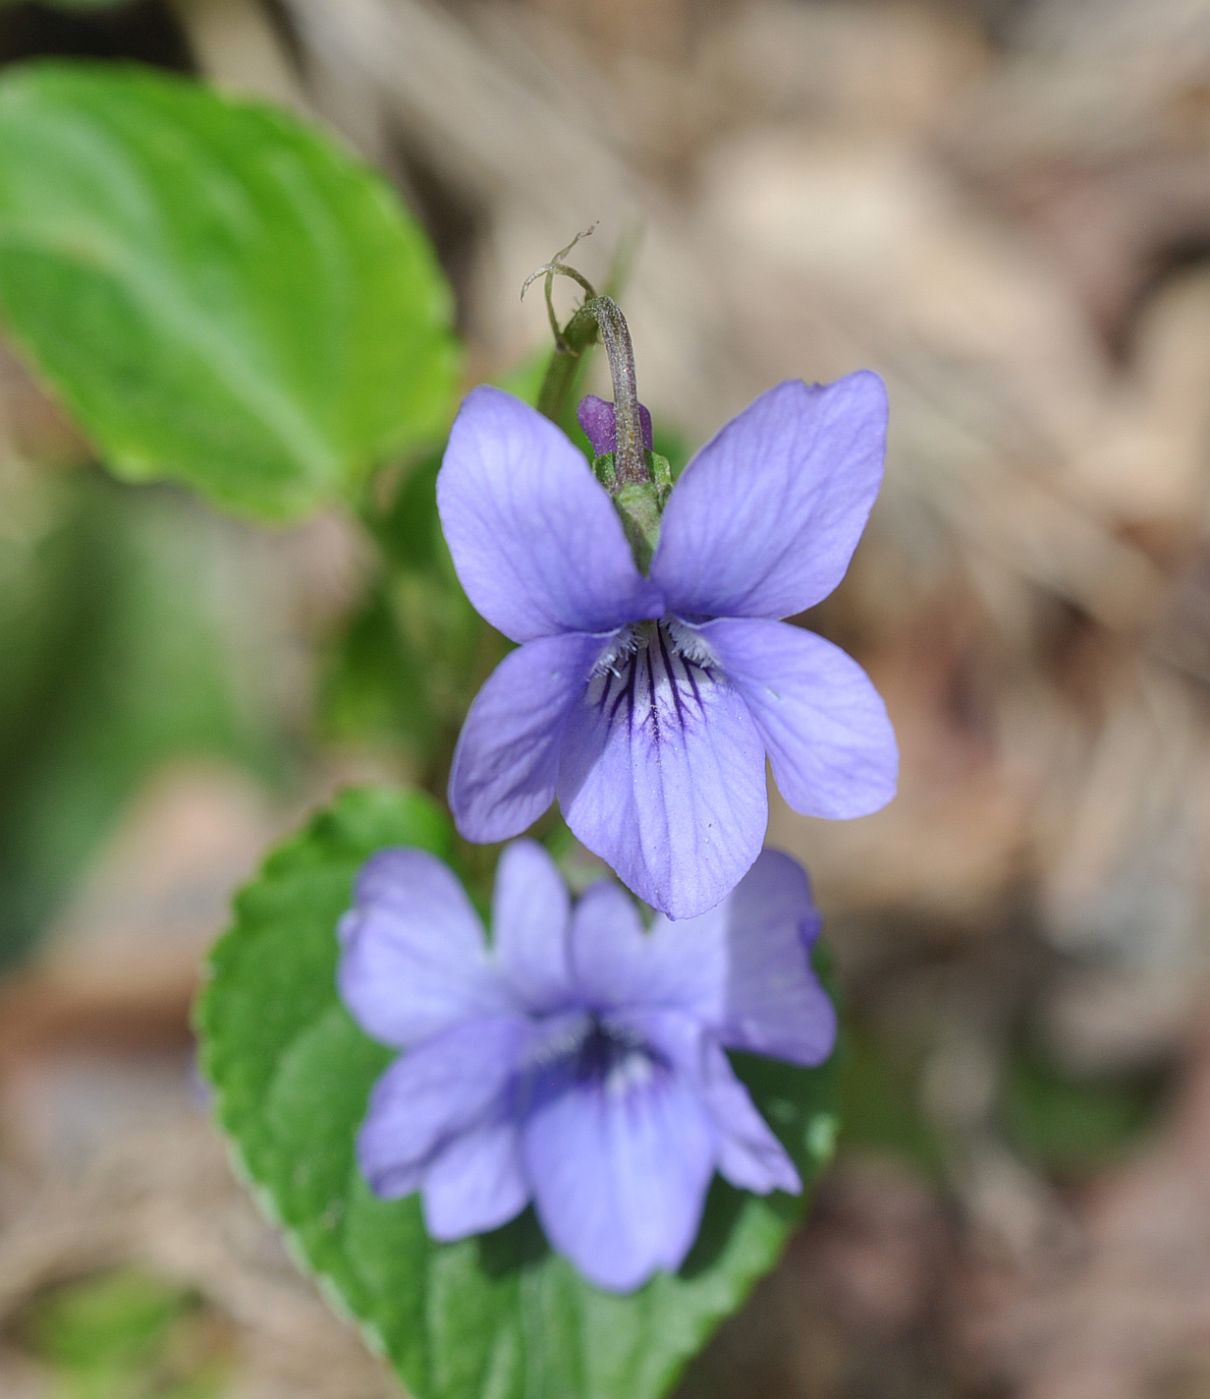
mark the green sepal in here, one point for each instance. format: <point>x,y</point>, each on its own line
<point>661,474</point>
<point>639,506</point>
<point>606,471</point>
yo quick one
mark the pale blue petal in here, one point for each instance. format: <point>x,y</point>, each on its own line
<point>749,1155</point>
<point>830,742</point>
<point>748,965</point>
<point>507,759</point>
<point>534,536</point>
<point>531,914</point>
<point>743,969</point>
<point>609,950</point>
<point>619,1168</point>
<point>476,1181</point>
<point>765,518</point>
<point>450,1084</point>
<point>662,775</point>
<point>413,960</point>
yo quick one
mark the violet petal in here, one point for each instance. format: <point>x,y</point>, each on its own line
<point>619,1163</point>
<point>765,518</point>
<point>662,775</point>
<point>413,960</point>
<point>442,1088</point>
<point>534,536</point>
<point>830,742</point>
<point>506,762</point>
<point>531,914</point>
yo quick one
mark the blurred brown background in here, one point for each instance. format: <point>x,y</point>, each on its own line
<point>1003,207</point>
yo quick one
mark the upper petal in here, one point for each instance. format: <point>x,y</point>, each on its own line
<point>413,960</point>
<point>531,911</point>
<point>619,1167</point>
<point>830,742</point>
<point>507,759</point>
<point>765,997</point>
<point>765,518</point>
<point>535,539</point>
<point>662,775</point>
<point>453,1083</point>
<point>608,947</point>
<point>743,969</point>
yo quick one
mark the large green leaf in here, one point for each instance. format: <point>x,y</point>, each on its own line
<point>498,1317</point>
<point>219,294</point>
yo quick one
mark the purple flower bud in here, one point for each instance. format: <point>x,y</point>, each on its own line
<point>597,418</point>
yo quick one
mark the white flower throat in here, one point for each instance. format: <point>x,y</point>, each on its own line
<point>655,677</point>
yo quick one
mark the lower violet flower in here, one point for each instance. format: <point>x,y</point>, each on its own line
<point>578,1062</point>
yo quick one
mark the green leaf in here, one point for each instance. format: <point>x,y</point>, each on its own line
<point>219,294</point>
<point>497,1317</point>
<point>126,638</point>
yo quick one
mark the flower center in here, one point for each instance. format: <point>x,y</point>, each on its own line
<point>656,675</point>
<point>587,1050</point>
<point>613,1059</point>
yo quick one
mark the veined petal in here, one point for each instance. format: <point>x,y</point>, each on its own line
<point>662,775</point>
<point>507,759</point>
<point>531,913</point>
<point>476,1181</point>
<point>750,977</point>
<point>619,1162</point>
<point>413,960</point>
<point>749,1155</point>
<point>535,539</point>
<point>743,969</point>
<point>830,742</point>
<point>765,518</point>
<point>610,952</point>
<point>451,1084</point>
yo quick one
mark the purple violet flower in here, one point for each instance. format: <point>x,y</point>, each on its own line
<point>648,704</point>
<point>578,1062</point>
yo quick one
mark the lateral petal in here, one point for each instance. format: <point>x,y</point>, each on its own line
<point>507,760</point>
<point>830,742</point>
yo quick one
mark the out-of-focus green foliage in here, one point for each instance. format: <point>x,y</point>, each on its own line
<point>881,1102</point>
<point>125,1335</point>
<point>1074,1126</point>
<point>218,293</point>
<point>415,652</point>
<point>500,1314</point>
<point>120,638</point>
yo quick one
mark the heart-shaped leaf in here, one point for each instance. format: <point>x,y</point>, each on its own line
<point>499,1315</point>
<point>219,294</point>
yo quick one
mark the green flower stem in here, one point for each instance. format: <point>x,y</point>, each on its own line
<point>567,365</point>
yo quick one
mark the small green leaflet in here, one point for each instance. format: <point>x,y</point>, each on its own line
<point>496,1317</point>
<point>219,294</point>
